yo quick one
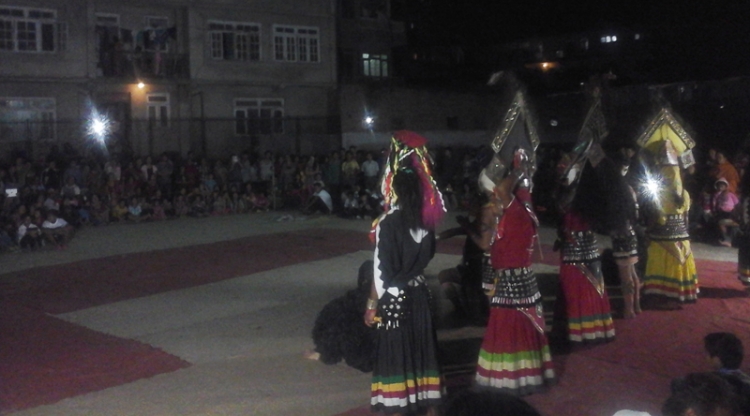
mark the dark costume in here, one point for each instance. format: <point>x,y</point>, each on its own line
<point>515,354</point>
<point>339,333</point>
<point>406,374</point>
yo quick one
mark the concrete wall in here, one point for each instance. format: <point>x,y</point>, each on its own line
<point>447,117</point>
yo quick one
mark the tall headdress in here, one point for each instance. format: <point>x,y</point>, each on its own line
<point>515,134</point>
<point>589,145</point>
<point>405,145</point>
<point>665,127</point>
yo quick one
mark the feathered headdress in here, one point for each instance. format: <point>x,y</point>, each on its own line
<point>407,144</point>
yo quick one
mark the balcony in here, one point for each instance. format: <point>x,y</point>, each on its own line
<point>134,65</point>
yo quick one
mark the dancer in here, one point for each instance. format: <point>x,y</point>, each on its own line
<point>514,355</point>
<point>339,333</point>
<point>582,201</point>
<point>406,377</point>
<point>671,277</point>
<point>622,207</point>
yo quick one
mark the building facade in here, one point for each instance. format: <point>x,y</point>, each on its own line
<point>213,77</point>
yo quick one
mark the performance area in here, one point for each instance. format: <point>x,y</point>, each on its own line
<point>201,316</point>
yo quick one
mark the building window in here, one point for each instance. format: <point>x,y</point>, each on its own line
<point>27,119</point>
<point>158,108</point>
<point>157,31</point>
<point>375,66</point>
<point>30,30</point>
<point>258,116</point>
<point>234,41</point>
<point>296,44</point>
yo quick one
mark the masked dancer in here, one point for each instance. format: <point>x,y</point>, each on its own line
<point>671,278</point>
<point>406,376</point>
<point>582,202</point>
<point>515,354</point>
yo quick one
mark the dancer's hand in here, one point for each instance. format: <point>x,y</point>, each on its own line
<point>370,317</point>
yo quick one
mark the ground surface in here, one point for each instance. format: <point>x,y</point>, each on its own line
<point>211,316</point>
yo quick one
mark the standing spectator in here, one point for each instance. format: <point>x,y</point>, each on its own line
<point>148,170</point>
<point>371,171</point>
<point>164,172</point>
<point>349,170</point>
<point>51,177</point>
<point>73,171</point>
<point>265,167</point>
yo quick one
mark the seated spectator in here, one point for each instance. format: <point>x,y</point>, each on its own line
<point>70,189</point>
<point>52,203</point>
<point>700,394</point>
<point>98,211</point>
<point>350,203</point>
<point>181,207</point>
<point>726,353</point>
<point>56,230</point>
<point>136,212</point>
<point>119,211</point>
<point>29,235</point>
<point>320,201</point>
<point>158,213</point>
<point>198,207</point>
<point>723,203</point>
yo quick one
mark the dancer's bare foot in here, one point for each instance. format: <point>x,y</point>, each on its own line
<point>311,355</point>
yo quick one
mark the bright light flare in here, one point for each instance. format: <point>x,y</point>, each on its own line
<point>141,85</point>
<point>369,120</point>
<point>651,187</point>
<point>98,126</point>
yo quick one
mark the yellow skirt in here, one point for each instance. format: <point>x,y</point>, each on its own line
<point>670,271</point>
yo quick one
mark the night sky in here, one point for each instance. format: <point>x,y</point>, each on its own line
<point>699,40</point>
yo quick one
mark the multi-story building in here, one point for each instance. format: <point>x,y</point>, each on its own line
<point>213,77</point>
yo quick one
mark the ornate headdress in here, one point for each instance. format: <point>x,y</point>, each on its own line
<point>405,145</point>
<point>666,127</point>
<point>515,136</point>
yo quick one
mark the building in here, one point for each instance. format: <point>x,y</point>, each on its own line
<point>213,77</point>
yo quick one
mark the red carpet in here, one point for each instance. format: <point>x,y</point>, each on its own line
<point>44,359</point>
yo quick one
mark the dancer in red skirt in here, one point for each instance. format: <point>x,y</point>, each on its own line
<point>583,202</point>
<point>515,354</point>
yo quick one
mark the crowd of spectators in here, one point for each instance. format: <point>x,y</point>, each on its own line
<point>44,201</point>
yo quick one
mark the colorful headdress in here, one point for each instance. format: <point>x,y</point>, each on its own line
<point>409,145</point>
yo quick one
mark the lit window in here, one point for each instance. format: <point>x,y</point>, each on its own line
<point>637,36</point>
<point>30,30</point>
<point>27,118</point>
<point>375,66</point>
<point>234,41</point>
<point>258,116</point>
<point>296,44</point>
<point>604,39</point>
<point>614,38</point>
<point>158,108</point>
